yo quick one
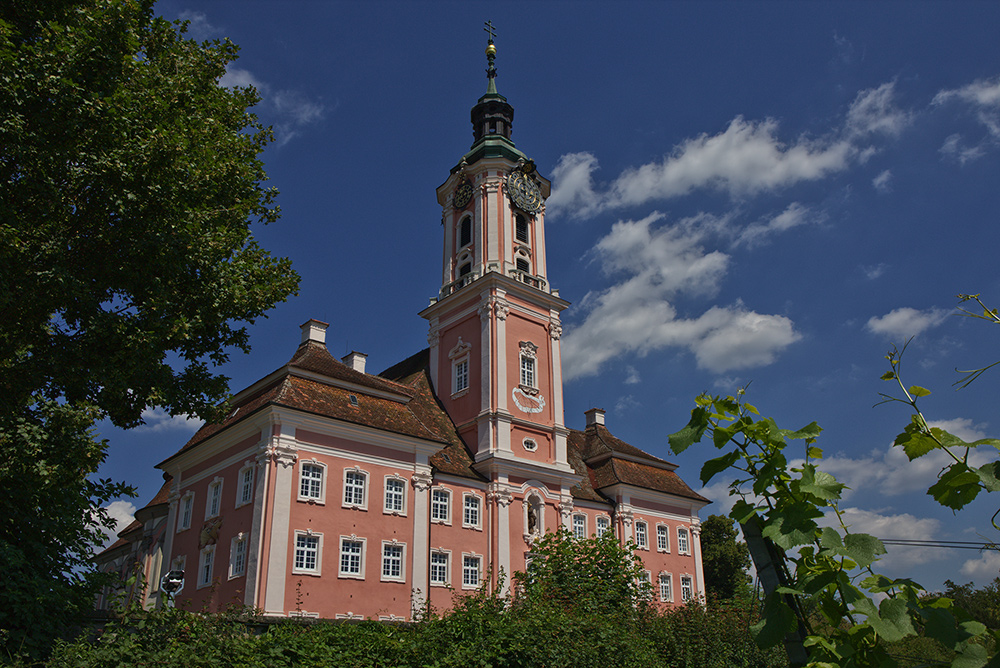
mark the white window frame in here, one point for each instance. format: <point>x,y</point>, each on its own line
<point>394,545</point>
<point>185,511</point>
<point>317,548</point>
<point>642,535</point>
<point>466,497</point>
<point>307,495</point>
<point>528,369</point>
<point>213,500</point>
<point>662,531</point>
<point>244,485</point>
<point>466,557</point>
<point>647,577</point>
<point>687,588</point>
<point>365,478</point>
<point>579,527</point>
<point>393,478</point>
<point>460,376</point>
<point>683,541</point>
<point>446,567</point>
<point>435,505</point>
<point>240,542</point>
<point>668,579</point>
<point>206,566</point>
<point>603,523</point>
<point>341,573</point>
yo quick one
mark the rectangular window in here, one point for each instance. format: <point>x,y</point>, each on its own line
<point>470,511</point>
<point>603,524</point>
<point>579,526</point>
<point>246,486</point>
<point>214,499</point>
<point>351,557</point>
<point>470,571</point>
<point>666,587</point>
<point>311,482</point>
<point>527,371</point>
<point>354,488</point>
<point>395,489</point>
<point>205,565</point>
<point>439,568</point>
<point>392,562</point>
<point>306,553</point>
<point>687,589</point>
<point>682,541</point>
<point>187,509</point>
<point>440,500</point>
<point>238,557</point>
<point>662,538</point>
<point>461,376</point>
<point>641,536</point>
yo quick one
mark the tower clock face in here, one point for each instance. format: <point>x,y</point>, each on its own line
<point>524,192</point>
<point>463,195</point>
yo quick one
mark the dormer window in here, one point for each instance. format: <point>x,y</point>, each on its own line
<point>465,232</point>
<point>521,228</point>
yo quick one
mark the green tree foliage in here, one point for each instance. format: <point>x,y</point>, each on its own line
<point>129,181</point>
<point>983,604</point>
<point>725,560</point>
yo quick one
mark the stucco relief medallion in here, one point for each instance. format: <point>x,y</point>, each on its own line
<point>529,403</point>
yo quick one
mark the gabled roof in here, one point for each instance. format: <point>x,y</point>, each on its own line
<point>125,536</point>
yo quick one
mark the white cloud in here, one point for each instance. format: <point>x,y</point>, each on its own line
<point>881,182</point>
<point>984,568</point>
<point>158,420</point>
<point>903,323</point>
<point>626,404</point>
<point>198,26</point>
<point>983,98</point>
<point>793,216</point>
<point>289,111</point>
<point>747,158</point>
<point>636,315</point>
<point>874,271</point>
<point>574,189</point>
<point>874,112</point>
<point>122,512</point>
<point>632,377</point>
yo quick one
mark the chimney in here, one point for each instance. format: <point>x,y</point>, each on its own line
<point>314,330</point>
<point>355,360</point>
<point>595,416</point>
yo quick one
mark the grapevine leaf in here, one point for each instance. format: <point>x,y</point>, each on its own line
<point>915,442</point>
<point>970,655</point>
<point>956,487</point>
<point>862,548</point>
<point>989,476</point>
<point>742,511</point>
<point>691,433</point>
<point>778,620</point>
<point>819,483</point>
<point>918,391</point>
<point>792,526</point>
<point>717,465</point>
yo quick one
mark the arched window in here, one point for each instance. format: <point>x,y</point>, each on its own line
<point>465,232</point>
<point>521,228</point>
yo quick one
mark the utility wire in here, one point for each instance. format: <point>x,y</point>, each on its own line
<point>952,544</point>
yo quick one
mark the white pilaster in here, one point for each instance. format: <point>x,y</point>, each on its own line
<point>255,543</point>
<point>421,482</point>
<point>281,451</point>
<point>699,572</point>
<point>501,495</point>
<point>492,222</point>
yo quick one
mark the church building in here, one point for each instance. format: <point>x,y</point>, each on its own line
<point>331,492</point>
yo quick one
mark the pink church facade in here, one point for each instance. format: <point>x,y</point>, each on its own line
<point>331,492</point>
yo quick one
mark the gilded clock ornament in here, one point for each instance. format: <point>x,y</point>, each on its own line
<point>463,195</point>
<point>524,193</point>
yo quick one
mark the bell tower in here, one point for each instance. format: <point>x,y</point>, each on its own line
<point>494,326</point>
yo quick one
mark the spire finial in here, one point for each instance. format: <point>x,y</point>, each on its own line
<point>491,54</point>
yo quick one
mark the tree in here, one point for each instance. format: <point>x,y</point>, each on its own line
<point>725,560</point>
<point>129,181</point>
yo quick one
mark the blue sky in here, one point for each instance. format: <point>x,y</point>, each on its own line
<point>766,193</point>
